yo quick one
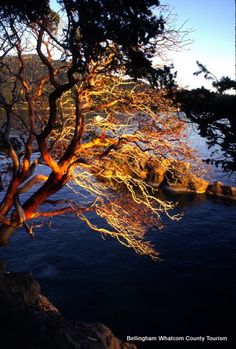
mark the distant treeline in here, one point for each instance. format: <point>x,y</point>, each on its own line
<point>214,113</point>
<point>32,72</point>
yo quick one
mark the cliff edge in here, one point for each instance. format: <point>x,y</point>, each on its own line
<point>29,320</point>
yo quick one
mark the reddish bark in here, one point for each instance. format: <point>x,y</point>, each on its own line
<point>53,184</point>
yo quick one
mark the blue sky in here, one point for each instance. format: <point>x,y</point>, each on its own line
<point>213,34</point>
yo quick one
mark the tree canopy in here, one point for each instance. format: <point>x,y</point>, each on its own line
<point>214,113</point>
<point>77,92</point>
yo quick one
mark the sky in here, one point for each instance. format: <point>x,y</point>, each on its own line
<point>212,25</point>
<point>213,34</point>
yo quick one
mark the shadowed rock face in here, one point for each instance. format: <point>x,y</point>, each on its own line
<point>180,179</point>
<point>192,183</point>
<point>28,320</point>
<point>219,189</point>
<point>23,284</point>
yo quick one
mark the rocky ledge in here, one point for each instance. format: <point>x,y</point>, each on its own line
<point>29,320</point>
<point>177,177</point>
<point>172,175</point>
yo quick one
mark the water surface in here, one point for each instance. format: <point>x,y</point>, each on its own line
<point>190,292</point>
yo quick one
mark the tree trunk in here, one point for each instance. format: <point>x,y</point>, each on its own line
<point>6,231</point>
<point>1,184</point>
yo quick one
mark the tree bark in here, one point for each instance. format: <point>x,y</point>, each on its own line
<point>6,231</point>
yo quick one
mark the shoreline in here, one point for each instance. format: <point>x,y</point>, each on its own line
<point>29,320</point>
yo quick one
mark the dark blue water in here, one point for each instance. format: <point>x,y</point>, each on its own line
<point>190,292</point>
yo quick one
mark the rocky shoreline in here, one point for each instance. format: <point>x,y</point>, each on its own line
<point>29,320</point>
<point>173,175</point>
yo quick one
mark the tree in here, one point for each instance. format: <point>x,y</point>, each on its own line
<point>214,113</point>
<point>222,85</point>
<point>91,116</point>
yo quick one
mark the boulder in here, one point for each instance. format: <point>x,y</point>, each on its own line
<point>220,189</point>
<point>198,185</point>
<point>157,172</point>
<point>174,175</point>
<point>178,176</point>
<point>29,320</point>
<point>180,179</point>
<point>24,284</point>
<point>233,195</point>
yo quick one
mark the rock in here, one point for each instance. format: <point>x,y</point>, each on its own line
<point>29,320</point>
<point>157,172</point>
<point>102,337</point>
<point>2,266</point>
<point>220,189</point>
<point>198,185</point>
<point>46,305</point>
<point>143,175</point>
<point>216,188</point>
<point>178,177</point>
<point>24,284</point>
<point>233,192</point>
<point>174,175</point>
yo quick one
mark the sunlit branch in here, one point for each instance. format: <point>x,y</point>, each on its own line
<point>69,209</point>
<point>52,213</point>
<point>125,238</point>
<point>30,183</point>
<point>100,132</point>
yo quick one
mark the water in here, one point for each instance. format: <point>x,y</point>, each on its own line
<point>199,143</point>
<point>190,292</point>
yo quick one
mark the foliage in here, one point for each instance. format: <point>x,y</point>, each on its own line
<point>24,10</point>
<point>222,85</point>
<point>206,73</point>
<point>214,113</point>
